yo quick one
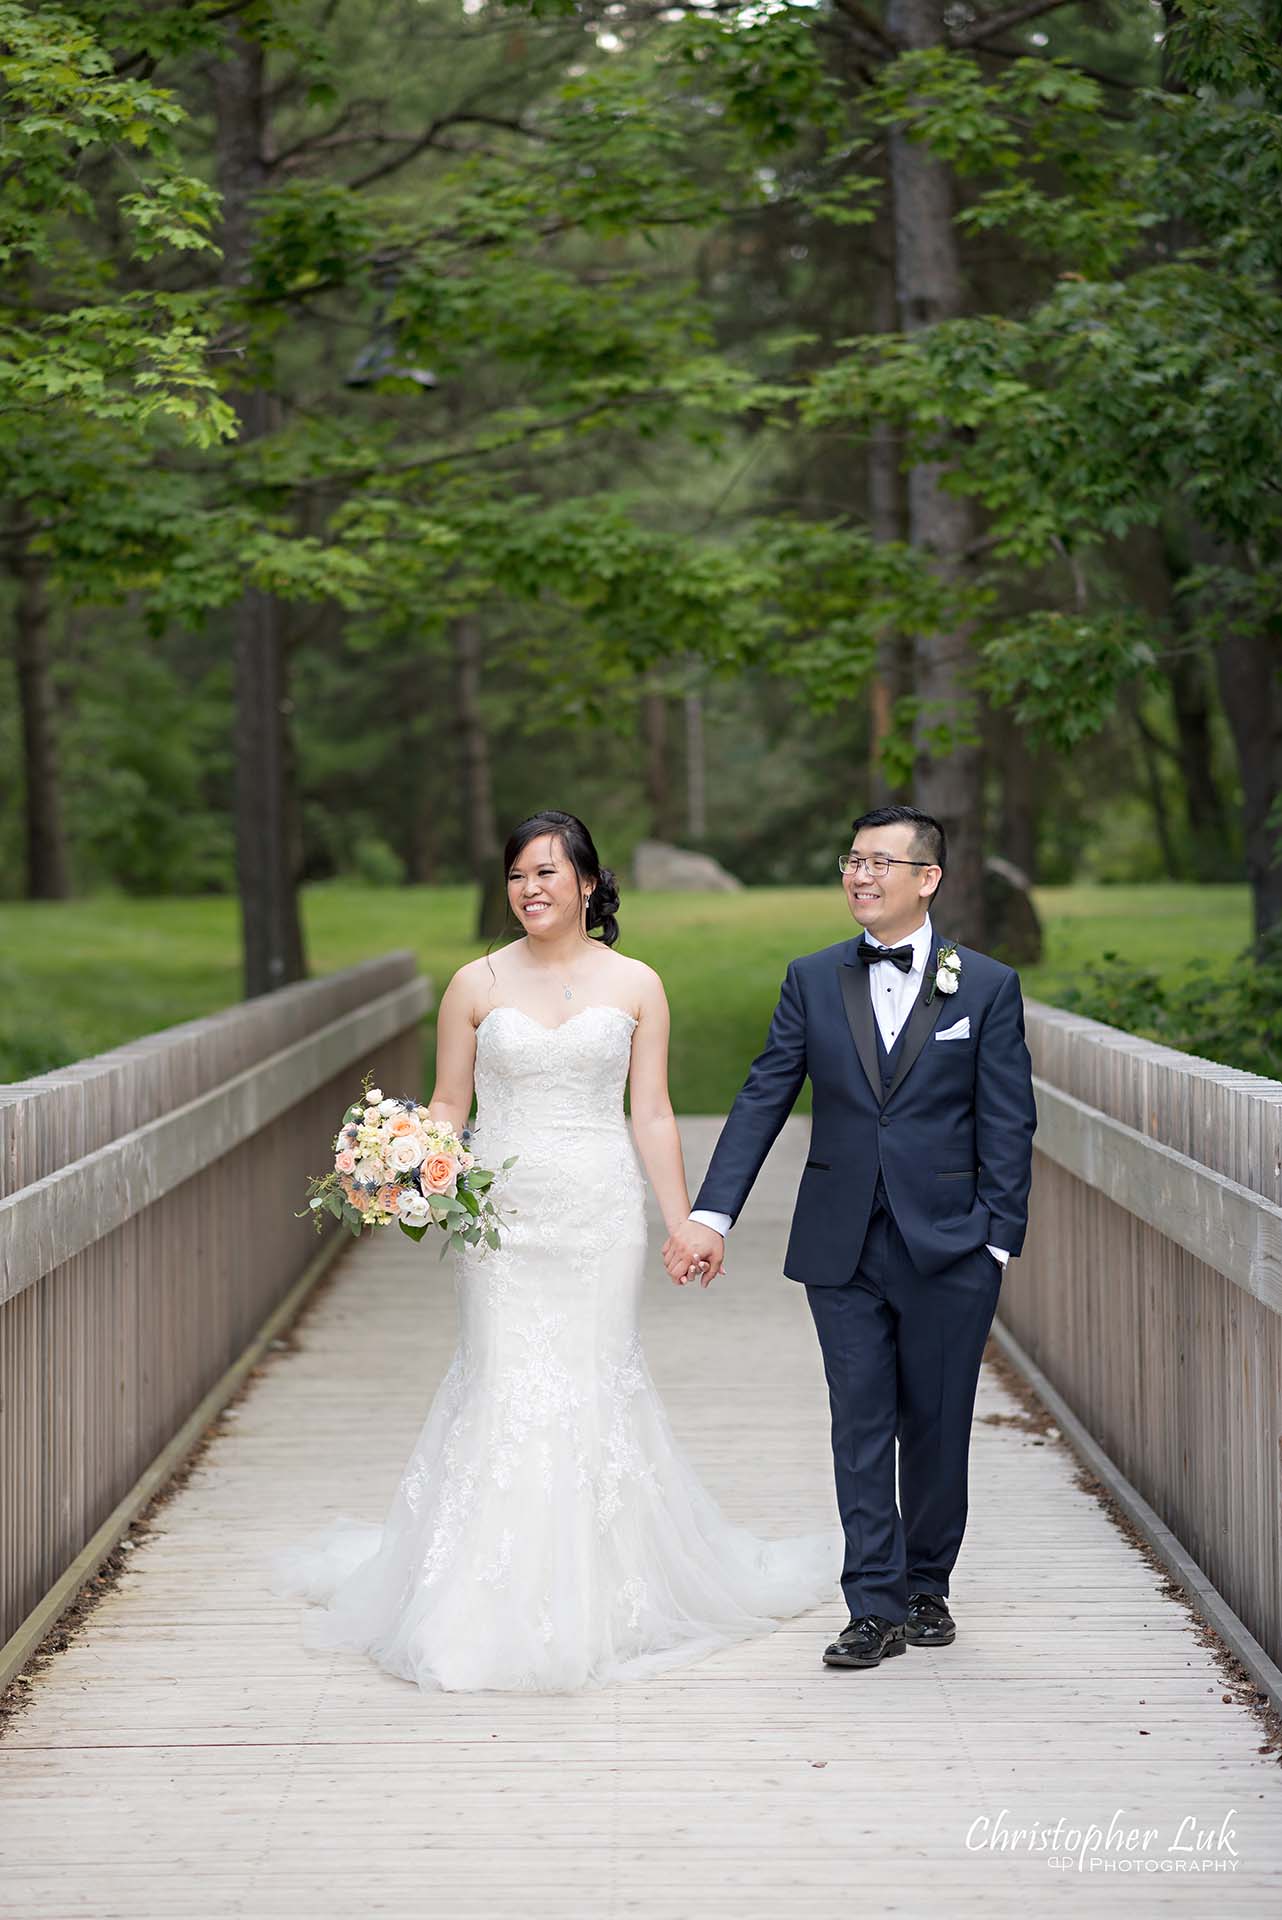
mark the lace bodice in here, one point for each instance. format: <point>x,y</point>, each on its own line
<point>539,1088</point>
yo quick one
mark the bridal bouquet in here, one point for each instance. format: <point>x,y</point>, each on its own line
<point>393,1163</point>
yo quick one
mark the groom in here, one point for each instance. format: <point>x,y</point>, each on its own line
<point>913,1199</point>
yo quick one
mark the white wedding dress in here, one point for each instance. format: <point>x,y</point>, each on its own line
<point>548,1533</point>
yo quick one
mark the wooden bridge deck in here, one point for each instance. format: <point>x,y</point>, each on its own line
<point>187,1756</point>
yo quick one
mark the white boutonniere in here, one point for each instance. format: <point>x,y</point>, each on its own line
<point>947,976</point>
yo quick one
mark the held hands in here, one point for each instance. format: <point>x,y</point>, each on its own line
<point>694,1251</point>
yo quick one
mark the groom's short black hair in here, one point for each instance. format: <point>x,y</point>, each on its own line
<point>929,841</point>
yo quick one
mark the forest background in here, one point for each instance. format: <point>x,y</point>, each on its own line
<point>713,419</point>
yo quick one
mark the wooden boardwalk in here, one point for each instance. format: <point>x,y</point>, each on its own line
<point>188,1757</point>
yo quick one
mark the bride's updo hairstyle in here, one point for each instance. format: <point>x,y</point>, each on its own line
<point>603,902</point>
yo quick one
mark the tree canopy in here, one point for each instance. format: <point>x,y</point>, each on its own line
<point>527,401</point>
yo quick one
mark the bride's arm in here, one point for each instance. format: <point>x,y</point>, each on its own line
<point>654,1126</point>
<point>455,1055</point>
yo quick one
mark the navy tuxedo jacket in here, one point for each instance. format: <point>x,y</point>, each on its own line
<point>953,1137</point>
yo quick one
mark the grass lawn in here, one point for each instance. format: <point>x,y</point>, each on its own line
<point>80,977</point>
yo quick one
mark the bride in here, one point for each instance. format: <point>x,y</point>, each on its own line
<point>548,1533</point>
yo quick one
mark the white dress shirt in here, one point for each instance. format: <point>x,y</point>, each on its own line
<point>894,995</point>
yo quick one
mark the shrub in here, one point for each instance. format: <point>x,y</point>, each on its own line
<point>1232,1017</point>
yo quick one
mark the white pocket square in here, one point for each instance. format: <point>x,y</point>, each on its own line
<point>960,1030</point>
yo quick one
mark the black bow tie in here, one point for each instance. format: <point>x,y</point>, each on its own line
<point>901,957</point>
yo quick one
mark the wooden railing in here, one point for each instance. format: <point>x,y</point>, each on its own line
<point>1149,1293</point>
<point>147,1233</point>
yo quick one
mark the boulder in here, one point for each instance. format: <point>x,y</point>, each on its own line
<point>1014,930</point>
<point>659,868</point>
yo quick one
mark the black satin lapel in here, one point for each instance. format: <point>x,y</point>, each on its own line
<point>855,992</point>
<point>921,1021</point>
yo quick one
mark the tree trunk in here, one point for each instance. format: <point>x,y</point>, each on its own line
<point>1156,562</point>
<point>892,674</point>
<point>48,867</point>
<point>267,833</point>
<point>1149,749</point>
<point>928,281</point>
<point>266,824</point>
<point>1186,673</point>
<point>1249,670</point>
<point>696,783</point>
<point>478,782</point>
<point>1203,802</point>
<point>658,768</point>
<point>1018,807</point>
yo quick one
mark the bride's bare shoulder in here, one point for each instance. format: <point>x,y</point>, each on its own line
<point>465,978</point>
<point>635,978</point>
<point>471,986</point>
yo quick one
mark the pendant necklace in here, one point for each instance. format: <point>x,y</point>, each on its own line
<point>566,988</point>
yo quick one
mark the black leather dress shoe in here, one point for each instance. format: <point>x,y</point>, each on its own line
<point>866,1642</point>
<point>929,1623</point>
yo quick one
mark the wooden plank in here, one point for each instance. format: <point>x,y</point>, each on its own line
<point>205,1763</point>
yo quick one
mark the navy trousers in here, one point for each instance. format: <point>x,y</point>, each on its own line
<point>902,1353</point>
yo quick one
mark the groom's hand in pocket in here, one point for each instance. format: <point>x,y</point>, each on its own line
<point>693,1248</point>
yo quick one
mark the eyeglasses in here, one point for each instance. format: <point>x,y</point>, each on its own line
<point>877,865</point>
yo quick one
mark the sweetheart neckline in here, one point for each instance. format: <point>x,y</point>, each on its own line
<point>601,1006</point>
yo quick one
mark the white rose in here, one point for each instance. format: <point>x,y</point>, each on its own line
<point>405,1152</point>
<point>373,1097</point>
<point>386,1106</point>
<point>948,971</point>
<point>413,1208</point>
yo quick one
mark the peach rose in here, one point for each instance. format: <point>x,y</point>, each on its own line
<point>438,1173</point>
<point>345,1161</point>
<point>404,1123</point>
